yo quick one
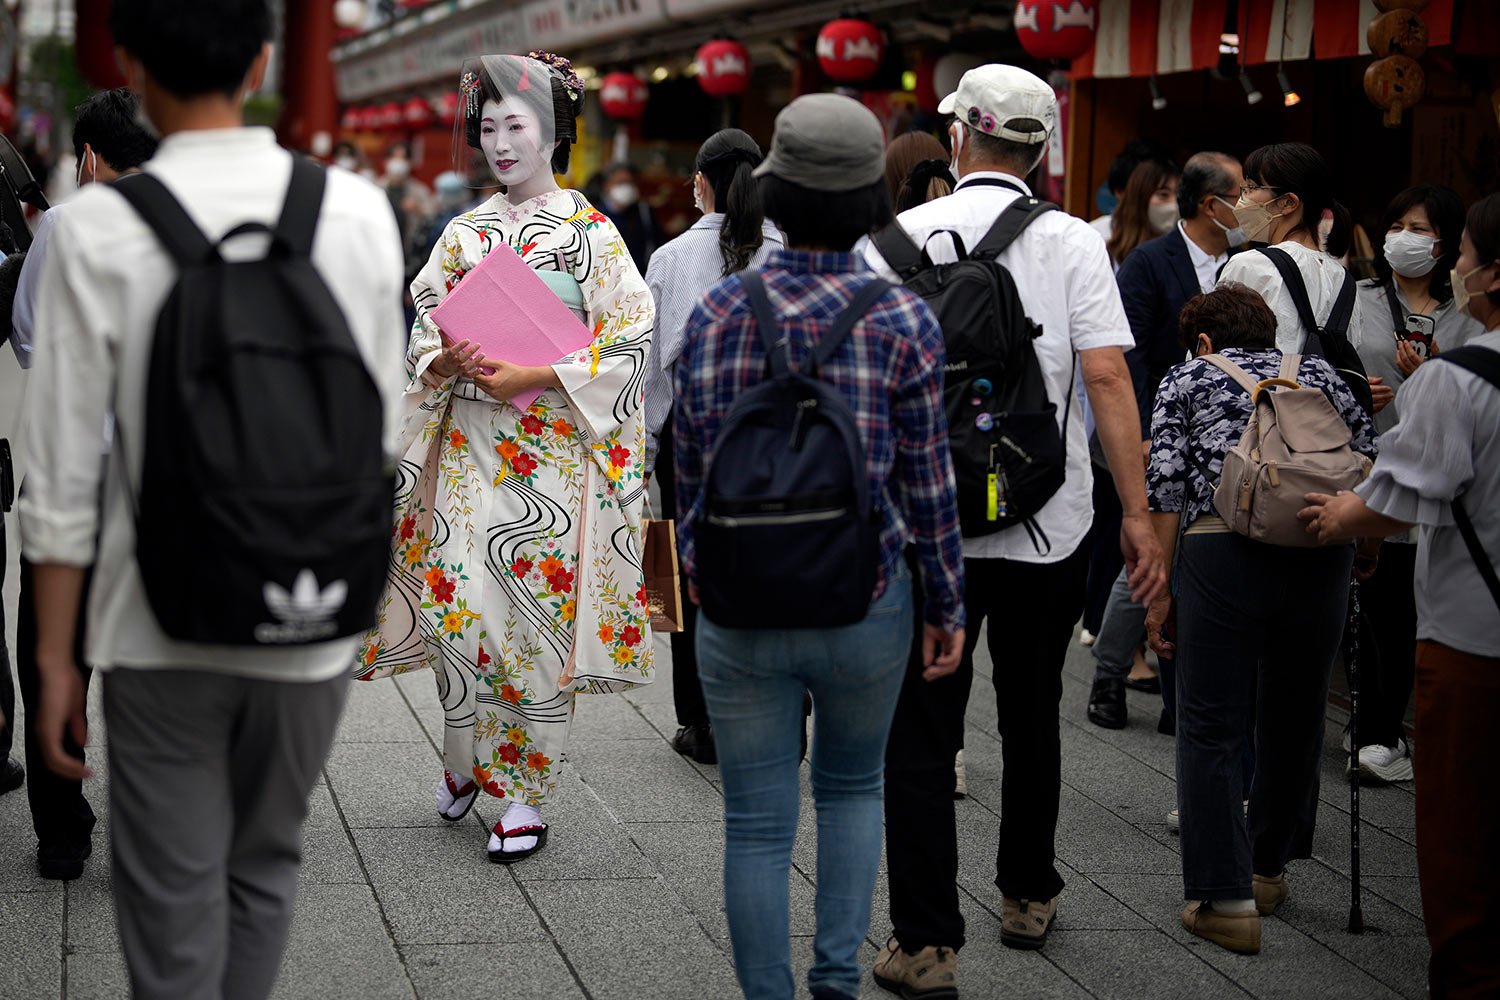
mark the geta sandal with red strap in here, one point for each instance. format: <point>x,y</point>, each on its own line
<point>504,857</point>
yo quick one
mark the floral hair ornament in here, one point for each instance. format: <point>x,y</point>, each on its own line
<point>468,86</point>
<point>563,67</point>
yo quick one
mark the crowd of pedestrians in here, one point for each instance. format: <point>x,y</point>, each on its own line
<point>896,405</point>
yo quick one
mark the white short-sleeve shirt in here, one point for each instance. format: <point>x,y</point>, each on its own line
<point>1067,285</point>
<point>1323,275</point>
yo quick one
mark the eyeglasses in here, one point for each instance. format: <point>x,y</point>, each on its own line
<point>1246,190</point>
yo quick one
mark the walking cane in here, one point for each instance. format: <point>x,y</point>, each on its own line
<point>1351,662</point>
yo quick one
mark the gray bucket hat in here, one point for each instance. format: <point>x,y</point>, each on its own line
<point>826,142</point>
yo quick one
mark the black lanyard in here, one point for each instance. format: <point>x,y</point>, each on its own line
<point>992,182</point>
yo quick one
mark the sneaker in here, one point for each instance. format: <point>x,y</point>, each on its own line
<point>930,974</point>
<point>960,779</point>
<point>696,742</point>
<point>1269,892</point>
<point>1237,932</point>
<point>63,861</point>
<point>1174,821</point>
<point>1383,764</point>
<point>1025,923</point>
<point>1086,638</point>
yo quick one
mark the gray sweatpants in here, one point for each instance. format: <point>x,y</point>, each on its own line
<point>208,783</point>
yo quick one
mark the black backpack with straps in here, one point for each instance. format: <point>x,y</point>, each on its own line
<point>265,497</point>
<point>1331,340</point>
<point>1485,363</point>
<point>788,535</point>
<point>1009,457</point>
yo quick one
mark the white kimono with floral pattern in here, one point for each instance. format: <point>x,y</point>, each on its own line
<point>517,531</point>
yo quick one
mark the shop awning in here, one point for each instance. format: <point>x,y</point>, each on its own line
<point>1146,37</point>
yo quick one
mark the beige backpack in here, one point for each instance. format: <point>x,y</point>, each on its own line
<point>1295,443</point>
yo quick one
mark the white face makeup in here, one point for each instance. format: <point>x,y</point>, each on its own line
<point>511,138</point>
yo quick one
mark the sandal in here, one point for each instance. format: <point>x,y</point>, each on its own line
<point>470,789</point>
<point>504,857</point>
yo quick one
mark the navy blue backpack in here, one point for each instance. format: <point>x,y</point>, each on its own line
<point>789,536</point>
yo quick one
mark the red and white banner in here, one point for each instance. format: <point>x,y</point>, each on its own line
<point>1142,37</point>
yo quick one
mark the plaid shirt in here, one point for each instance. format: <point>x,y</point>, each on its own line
<point>890,370</point>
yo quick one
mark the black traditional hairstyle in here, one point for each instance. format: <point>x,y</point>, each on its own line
<point>727,161</point>
<point>567,104</point>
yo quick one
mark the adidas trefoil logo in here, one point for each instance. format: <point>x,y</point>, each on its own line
<point>306,613</point>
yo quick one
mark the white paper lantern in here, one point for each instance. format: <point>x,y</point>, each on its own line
<point>350,13</point>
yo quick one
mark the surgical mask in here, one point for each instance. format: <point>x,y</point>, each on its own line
<point>1255,219</point>
<point>397,168</point>
<point>1461,294</point>
<point>347,163</point>
<point>1236,237</point>
<point>1162,216</point>
<point>958,145</point>
<point>93,168</point>
<point>1410,254</point>
<point>622,195</point>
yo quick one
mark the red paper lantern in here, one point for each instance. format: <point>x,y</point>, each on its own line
<point>352,120</point>
<point>850,50</point>
<point>723,67</point>
<point>417,113</point>
<point>388,117</point>
<point>623,96</point>
<point>446,108</point>
<point>1056,29</point>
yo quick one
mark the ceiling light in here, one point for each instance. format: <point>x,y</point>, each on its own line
<point>1252,96</point>
<point>660,73</point>
<point>1158,102</point>
<point>1229,44</point>
<point>1289,97</point>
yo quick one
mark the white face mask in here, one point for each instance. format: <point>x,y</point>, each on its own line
<point>622,195</point>
<point>1235,236</point>
<point>347,163</point>
<point>1461,294</point>
<point>1410,254</point>
<point>1162,216</point>
<point>397,168</point>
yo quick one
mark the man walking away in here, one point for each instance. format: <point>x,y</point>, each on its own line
<point>213,748</point>
<point>1028,580</point>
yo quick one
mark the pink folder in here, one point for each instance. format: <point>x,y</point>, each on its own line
<point>505,308</point>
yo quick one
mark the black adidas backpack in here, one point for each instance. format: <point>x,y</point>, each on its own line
<point>788,535</point>
<point>265,497</point>
<point>1009,457</point>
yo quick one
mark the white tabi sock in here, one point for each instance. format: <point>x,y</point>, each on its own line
<point>517,816</point>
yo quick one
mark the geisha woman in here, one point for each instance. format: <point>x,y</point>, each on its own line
<point>516,570</point>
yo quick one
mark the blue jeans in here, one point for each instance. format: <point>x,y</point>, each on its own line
<point>754,681</point>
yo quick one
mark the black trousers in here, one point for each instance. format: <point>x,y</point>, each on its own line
<point>1103,543</point>
<point>7,683</point>
<point>1031,610</point>
<point>687,689</point>
<point>59,812</point>
<point>1388,646</point>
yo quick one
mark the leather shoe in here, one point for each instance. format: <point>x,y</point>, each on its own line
<point>12,775</point>
<point>63,861</point>
<point>1107,703</point>
<point>696,742</point>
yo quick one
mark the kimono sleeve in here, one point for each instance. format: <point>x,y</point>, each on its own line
<point>445,267</point>
<point>604,382</point>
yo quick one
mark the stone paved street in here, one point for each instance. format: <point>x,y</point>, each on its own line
<point>626,901</point>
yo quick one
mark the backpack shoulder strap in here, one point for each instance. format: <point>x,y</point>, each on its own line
<point>852,314</point>
<point>1290,365</point>
<point>1234,371</point>
<point>1297,289</point>
<point>1480,360</point>
<point>1398,317</point>
<point>304,201</point>
<point>765,318</point>
<point>1012,223</point>
<point>1343,310</point>
<point>156,206</point>
<point>901,251</point>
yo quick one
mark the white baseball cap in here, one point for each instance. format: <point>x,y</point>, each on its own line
<point>990,97</point>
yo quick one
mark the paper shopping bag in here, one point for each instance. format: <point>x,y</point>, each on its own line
<point>663,579</point>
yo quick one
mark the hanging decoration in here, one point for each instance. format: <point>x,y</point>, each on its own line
<point>446,107</point>
<point>850,50</point>
<point>352,120</point>
<point>723,67</point>
<point>1056,29</point>
<point>1396,82</point>
<point>388,117</point>
<point>623,96</point>
<point>417,114</point>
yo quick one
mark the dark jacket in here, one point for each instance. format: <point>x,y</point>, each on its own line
<point>1156,280</point>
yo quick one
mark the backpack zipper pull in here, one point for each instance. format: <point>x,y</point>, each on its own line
<point>797,431</point>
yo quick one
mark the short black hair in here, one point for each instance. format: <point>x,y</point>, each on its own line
<point>107,123</point>
<point>1020,157</point>
<point>1203,174</point>
<point>833,219</point>
<point>624,165</point>
<point>1483,224</point>
<point>193,47</point>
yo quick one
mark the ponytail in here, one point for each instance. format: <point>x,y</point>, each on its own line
<point>740,234</point>
<point>727,162</point>
<point>1341,233</point>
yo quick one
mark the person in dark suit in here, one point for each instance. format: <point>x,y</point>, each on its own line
<point>1156,280</point>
